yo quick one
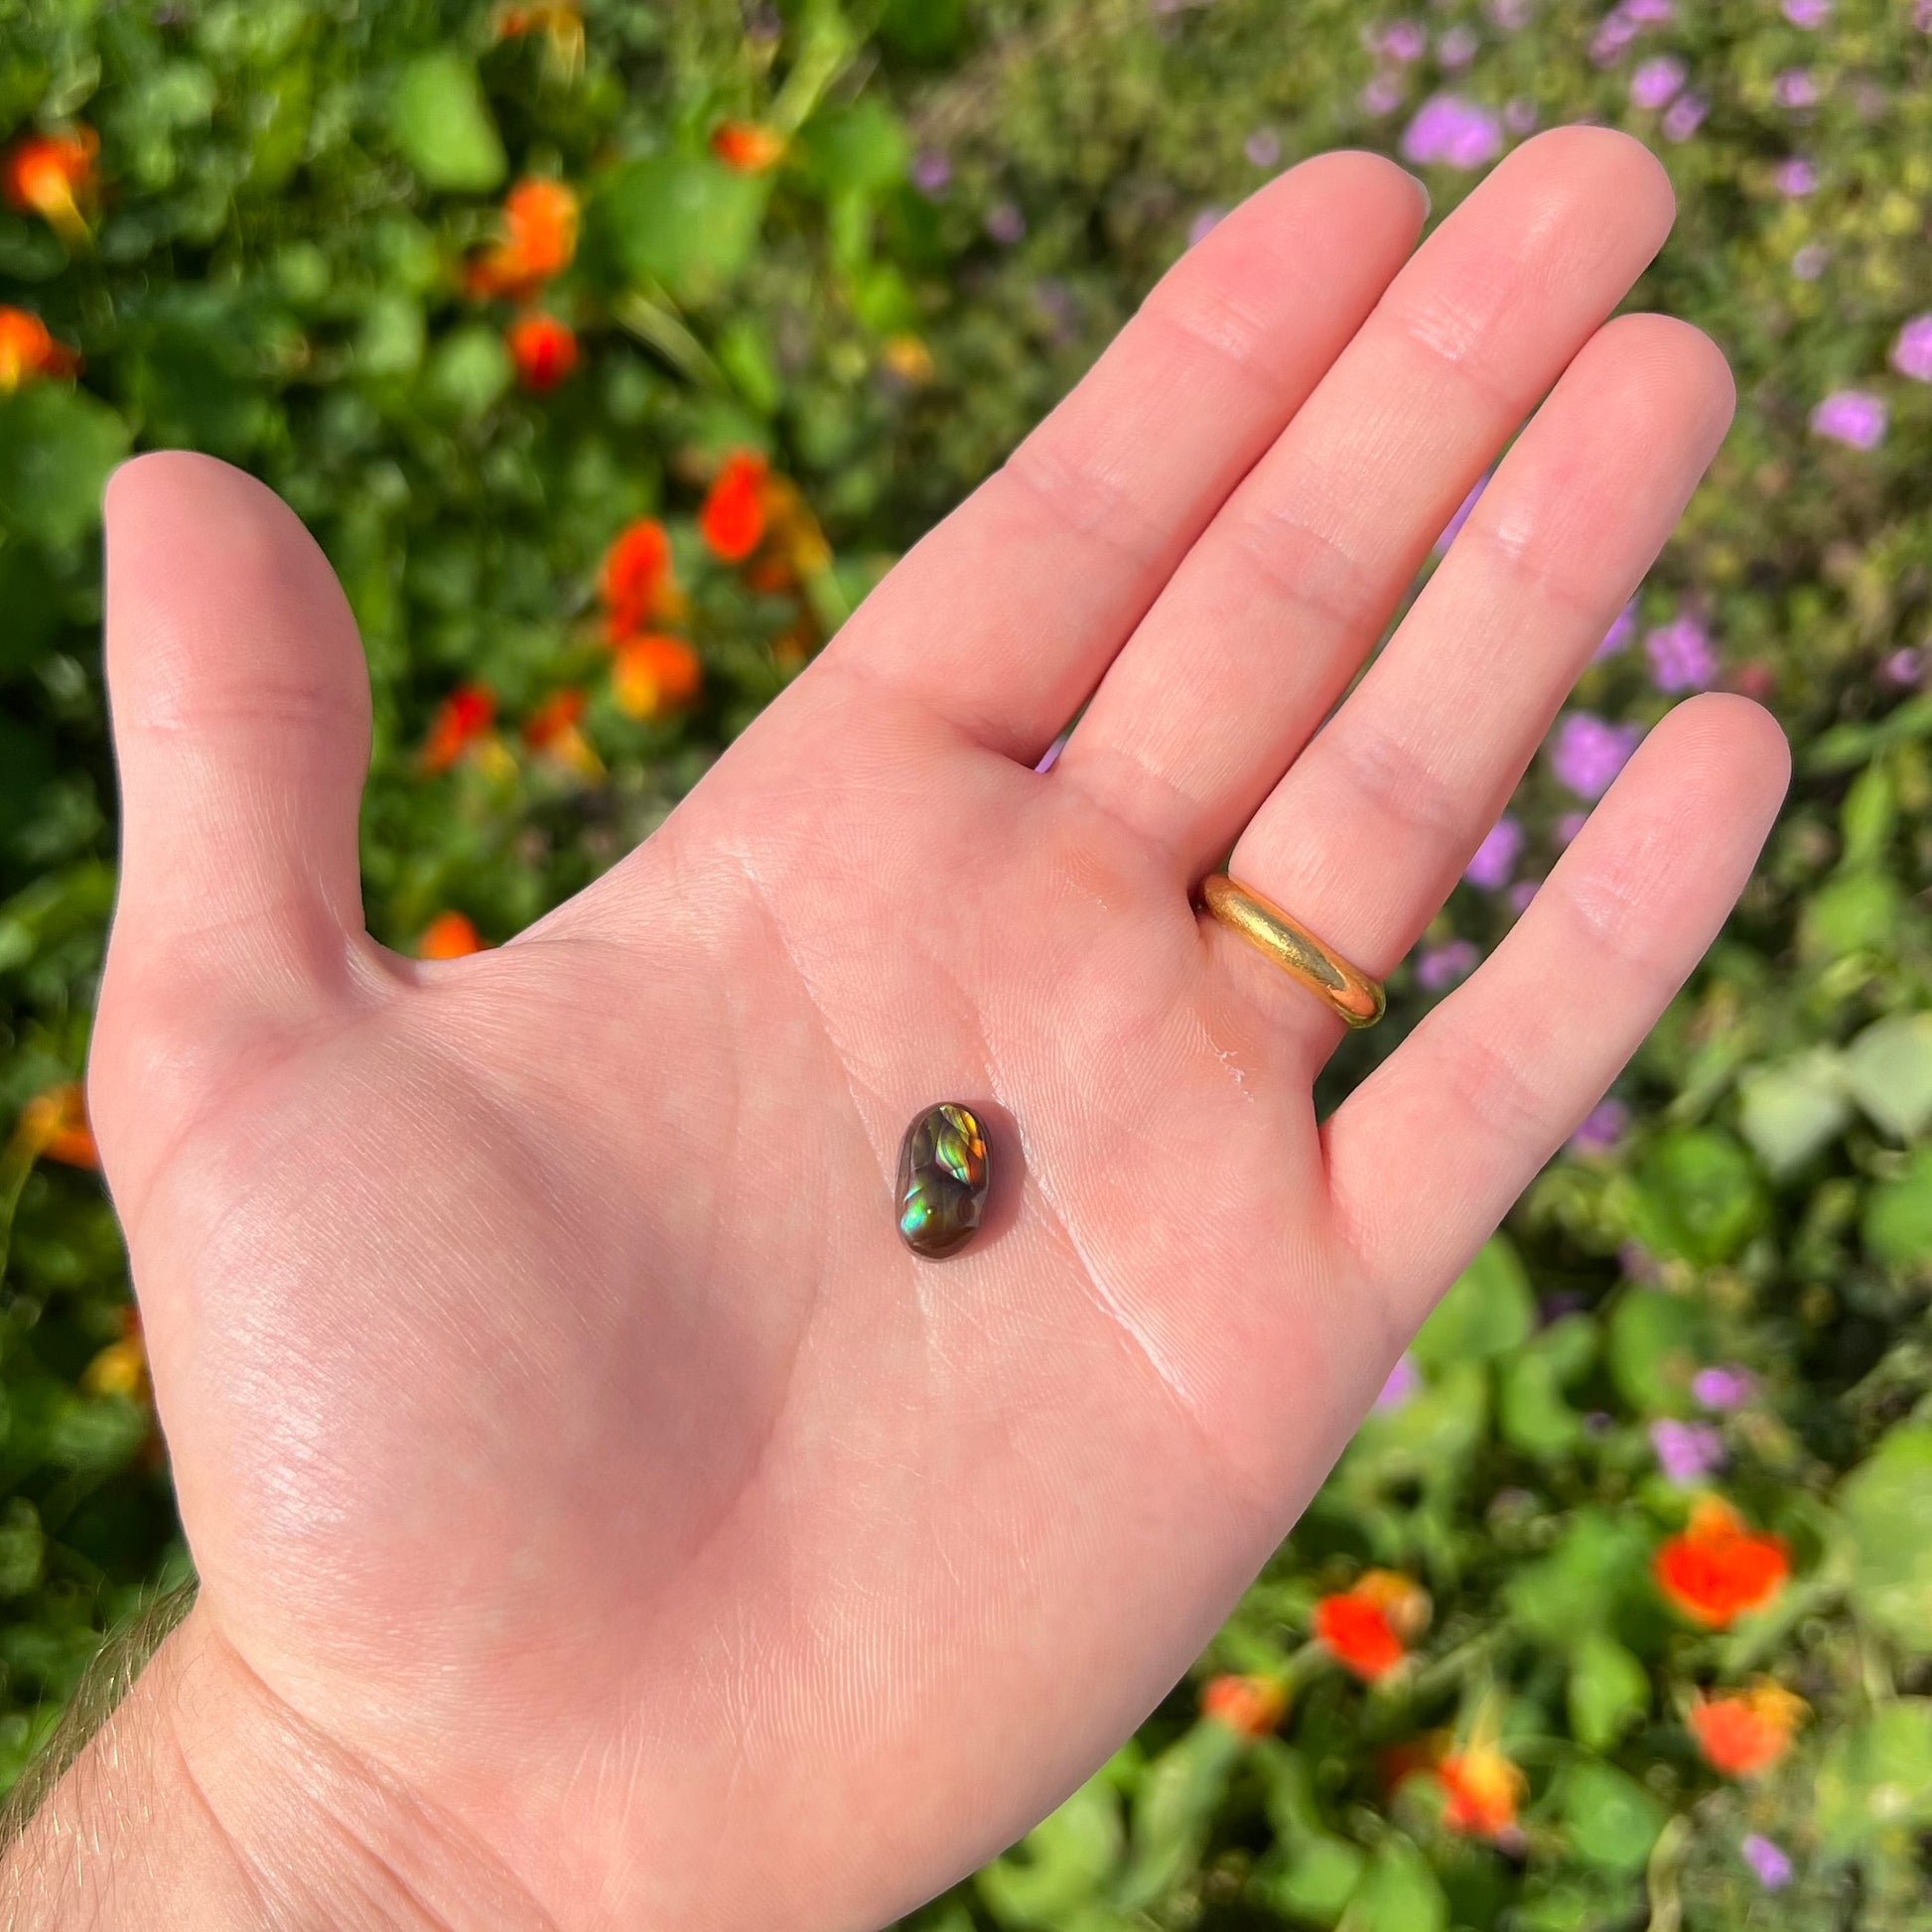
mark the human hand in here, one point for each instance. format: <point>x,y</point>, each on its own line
<point>577,1464</point>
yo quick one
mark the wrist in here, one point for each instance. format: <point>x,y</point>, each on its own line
<point>205,1802</point>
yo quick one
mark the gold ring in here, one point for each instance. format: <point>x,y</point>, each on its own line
<point>1359,998</point>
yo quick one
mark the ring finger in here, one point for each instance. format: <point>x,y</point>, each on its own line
<point>1368,832</point>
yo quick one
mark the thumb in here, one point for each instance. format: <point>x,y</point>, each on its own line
<point>241,730</point>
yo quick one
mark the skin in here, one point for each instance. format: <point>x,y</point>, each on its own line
<point>604,1521</point>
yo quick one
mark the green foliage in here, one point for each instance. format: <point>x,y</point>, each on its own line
<point>973,195</point>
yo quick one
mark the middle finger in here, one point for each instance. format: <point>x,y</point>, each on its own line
<point>1272,611</point>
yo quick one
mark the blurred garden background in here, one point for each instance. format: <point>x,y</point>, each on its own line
<point>614,350</point>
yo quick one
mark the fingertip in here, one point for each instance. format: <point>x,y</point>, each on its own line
<point>1583,156</point>
<point>1744,735</point>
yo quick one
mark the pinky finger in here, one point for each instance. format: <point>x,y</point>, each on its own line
<point>1428,1154</point>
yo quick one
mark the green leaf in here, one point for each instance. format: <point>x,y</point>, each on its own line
<point>1656,1346</point>
<point>1575,1588</point>
<point>468,372</point>
<point>861,148</point>
<point>1887,1508</point>
<point>1060,1864</point>
<point>1611,1821</point>
<point>57,446</point>
<point>1866,818</point>
<point>1788,1112</point>
<point>1874,1779</point>
<point>680,220</point>
<point>1489,1310</point>
<point>1400,1894</point>
<point>1898,1225</point>
<point>1888,1069</point>
<point>442,127</point>
<point>23,1547</point>
<point>1530,1410</point>
<point>1699,1196</point>
<point>1852,913</point>
<point>1321,1876</point>
<point>1609,1692</point>
<point>1173,1811</point>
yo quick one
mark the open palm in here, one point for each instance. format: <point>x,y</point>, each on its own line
<point>564,1437</point>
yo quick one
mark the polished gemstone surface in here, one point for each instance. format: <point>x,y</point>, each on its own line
<point>942,1180</point>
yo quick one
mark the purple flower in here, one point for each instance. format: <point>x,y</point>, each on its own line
<point>1005,224</point>
<point>1795,177</point>
<point>1440,967</point>
<point>1768,1860</point>
<point>1687,1452</point>
<point>1456,48</point>
<point>1613,36</point>
<point>1054,751</point>
<point>1684,116</point>
<point>1519,114</point>
<point>1809,262</point>
<point>1722,1388</point>
<point>1922,15</point>
<point>1650,13</point>
<point>1452,131</point>
<point>1508,16</point>
<point>1521,894</point>
<point>1494,863</point>
<point>1568,826</point>
<point>1795,87</point>
<point>1404,1380</point>
<point>1854,416</point>
<point>1620,633</point>
<point>1602,1127</point>
<point>1911,353</point>
<point>1902,668</point>
<point>932,172</point>
<point>1462,515</point>
<point>1656,82</point>
<point>1382,96</point>
<point>1204,224</point>
<point>1807,13</point>
<point>1681,657</point>
<point>1263,148</point>
<point>1588,752</point>
<point>1402,40</point>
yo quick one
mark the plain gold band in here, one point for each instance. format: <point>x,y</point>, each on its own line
<point>1352,994</point>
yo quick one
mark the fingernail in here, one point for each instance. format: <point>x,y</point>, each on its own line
<point>1422,189</point>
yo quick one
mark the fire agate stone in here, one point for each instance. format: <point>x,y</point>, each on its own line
<point>943,1181</point>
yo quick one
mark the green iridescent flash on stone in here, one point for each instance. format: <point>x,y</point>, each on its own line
<point>943,1181</point>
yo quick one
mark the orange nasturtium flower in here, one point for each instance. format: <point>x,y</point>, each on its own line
<point>540,238</point>
<point>543,348</point>
<point>54,1126</point>
<point>1481,1789</point>
<point>731,519</point>
<point>654,674</point>
<point>555,729</point>
<point>1717,1568</point>
<point>1367,1628</point>
<point>634,579</point>
<point>1251,1707</point>
<point>27,351</point>
<point>557,18</point>
<point>121,1368</point>
<point>1742,1732</point>
<point>449,936</point>
<point>460,719</point>
<point>747,147</point>
<point>51,175</point>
